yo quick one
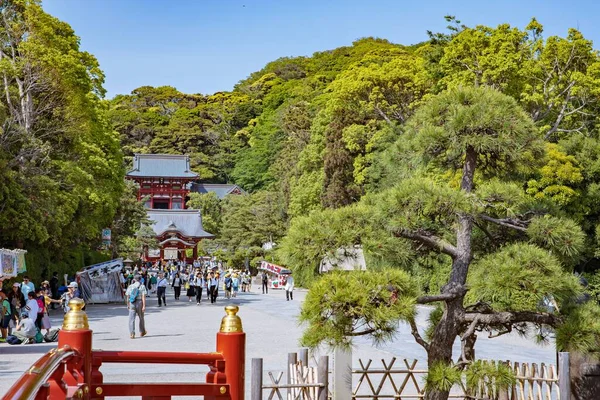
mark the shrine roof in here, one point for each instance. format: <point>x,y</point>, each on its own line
<point>220,189</point>
<point>187,222</point>
<point>161,165</point>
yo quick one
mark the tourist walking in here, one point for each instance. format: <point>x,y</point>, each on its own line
<point>213,283</point>
<point>190,287</point>
<point>235,284</point>
<point>200,284</point>
<point>161,289</point>
<point>227,285</point>
<point>289,288</point>
<point>265,282</point>
<point>136,297</point>
<point>176,285</point>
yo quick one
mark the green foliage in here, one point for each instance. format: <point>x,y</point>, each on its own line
<point>485,120</point>
<point>60,162</point>
<point>319,234</point>
<point>561,236</point>
<point>580,331</point>
<point>210,208</point>
<point>535,275</point>
<point>343,304</point>
<point>442,377</point>
<point>492,377</point>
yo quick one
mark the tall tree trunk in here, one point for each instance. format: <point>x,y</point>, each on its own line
<point>448,328</point>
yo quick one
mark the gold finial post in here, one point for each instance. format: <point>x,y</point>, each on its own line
<point>75,319</point>
<point>231,322</point>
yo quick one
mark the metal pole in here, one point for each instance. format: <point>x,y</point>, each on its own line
<point>323,377</point>
<point>564,378</point>
<point>256,379</point>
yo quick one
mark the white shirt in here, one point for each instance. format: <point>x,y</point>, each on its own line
<point>27,326</point>
<point>289,284</point>
<point>32,308</point>
<point>162,282</point>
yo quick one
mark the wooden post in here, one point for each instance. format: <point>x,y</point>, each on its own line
<point>256,379</point>
<point>292,359</point>
<point>323,377</point>
<point>303,356</point>
<point>342,374</point>
<point>564,379</point>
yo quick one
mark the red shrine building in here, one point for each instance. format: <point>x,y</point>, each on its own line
<point>164,183</point>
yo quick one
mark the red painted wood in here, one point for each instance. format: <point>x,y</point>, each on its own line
<point>149,357</point>
<point>160,389</point>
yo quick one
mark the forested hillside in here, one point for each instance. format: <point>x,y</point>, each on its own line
<point>61,165</point>
<point>313,133</point>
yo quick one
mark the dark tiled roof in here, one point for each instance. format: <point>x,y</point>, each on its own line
<point>186,222</point>
<point>161,165</point>
<point>220,189</point>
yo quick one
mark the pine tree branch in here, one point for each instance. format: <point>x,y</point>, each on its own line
<point>437,297</point>
<point>507,222</point>
<point>418,338</point>
<point>508,317</point>
<point>430,241</point>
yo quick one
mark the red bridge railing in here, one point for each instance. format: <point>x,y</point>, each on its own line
<point>72,370</point>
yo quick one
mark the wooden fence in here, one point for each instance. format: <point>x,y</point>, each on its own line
<point>302,381</point>
<point>402,379</point>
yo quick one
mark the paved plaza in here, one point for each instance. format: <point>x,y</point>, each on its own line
<point>271,332</point>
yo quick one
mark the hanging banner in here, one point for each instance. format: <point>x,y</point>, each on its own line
<point>10,262</point>
<point>101,283</point>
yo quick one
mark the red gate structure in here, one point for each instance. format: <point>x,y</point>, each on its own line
<point>72,370</point>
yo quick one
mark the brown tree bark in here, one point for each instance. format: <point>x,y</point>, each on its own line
<point>449,326</point>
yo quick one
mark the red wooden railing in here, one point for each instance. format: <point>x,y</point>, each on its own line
<point>72,370</point>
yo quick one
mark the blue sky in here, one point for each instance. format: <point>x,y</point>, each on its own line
<point>205,46</point>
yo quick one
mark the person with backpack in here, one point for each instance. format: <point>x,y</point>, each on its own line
<point>227,283</point>
<point>136,298</point>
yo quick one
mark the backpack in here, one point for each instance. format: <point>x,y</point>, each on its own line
<point>39,338</point>
<point>52,336</point>
<point>13,340</point>
<point>134,294</point>
<point>228,283</point>
<point>41,305</point>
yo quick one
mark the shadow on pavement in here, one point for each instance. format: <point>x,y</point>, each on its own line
<point>40,348</point>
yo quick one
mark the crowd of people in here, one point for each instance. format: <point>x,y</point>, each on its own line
<point>194,280</point>
<point>25,308</point>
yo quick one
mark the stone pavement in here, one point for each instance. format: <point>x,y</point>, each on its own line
<point>271,332</point>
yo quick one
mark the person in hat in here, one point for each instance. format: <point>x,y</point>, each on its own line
<point>71,293</point>
<point>136,303</point>
<point>227,285</point>
<point>26,329</point>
